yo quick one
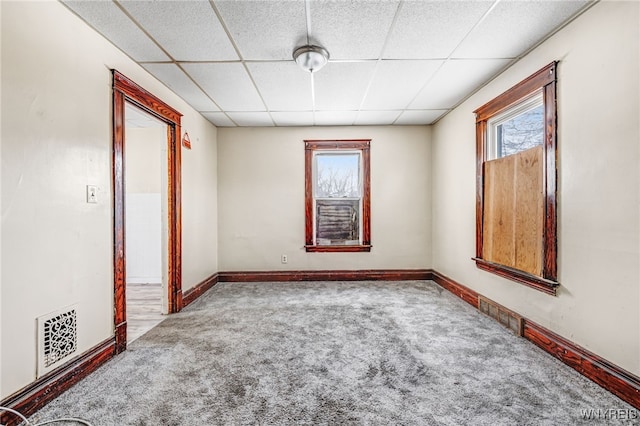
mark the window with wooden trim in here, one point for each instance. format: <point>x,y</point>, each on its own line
<point>516,225</point>
<point>337,195</point>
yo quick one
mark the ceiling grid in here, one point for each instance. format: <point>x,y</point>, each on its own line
<point>392,62</point>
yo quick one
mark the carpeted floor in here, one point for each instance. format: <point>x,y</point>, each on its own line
<point>374,353</point>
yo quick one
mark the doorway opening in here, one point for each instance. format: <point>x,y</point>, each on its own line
<point>129,98</point>
<point>146,226</point>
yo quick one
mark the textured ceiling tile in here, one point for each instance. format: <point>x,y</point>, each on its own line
<point>266,32</point>
<point>188,30</point>
<point>269,30</point>
<point>228,84</point>
<point>335,118</point>
<point>456,80</point>
<point>106,18</point>
<point>432,29</point>
<point>283,85</point>
<point>252,119</point>
<point>397,82</point>
<point>219,119</point>
<point>512,27</point>
<point>294,118</point>
<point>342,85</point>
<point>352,29</point>
<point>420,117</point>
<point>376,118</point>
<point>176,80</point>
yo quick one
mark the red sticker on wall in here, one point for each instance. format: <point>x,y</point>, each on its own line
<point>186,142</point>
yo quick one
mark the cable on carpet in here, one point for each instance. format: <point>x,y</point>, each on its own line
<point>48,422</point>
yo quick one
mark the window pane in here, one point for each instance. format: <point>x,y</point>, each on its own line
<point>337,175</point>
<point>521,132</point>
<point>337,222</point>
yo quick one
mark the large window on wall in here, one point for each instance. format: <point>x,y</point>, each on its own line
<point>337,199</point>
<point>516,229</point>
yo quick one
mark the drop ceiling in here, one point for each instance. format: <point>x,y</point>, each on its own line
<point>392,62</point>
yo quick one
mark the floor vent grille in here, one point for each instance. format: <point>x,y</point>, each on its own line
<point>504,316</point>
<point>57,338</point>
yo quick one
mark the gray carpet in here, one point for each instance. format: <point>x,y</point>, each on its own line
<point>370,353</point>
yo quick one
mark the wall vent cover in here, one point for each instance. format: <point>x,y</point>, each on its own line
<point>504,316</point>
<point>57,338</point>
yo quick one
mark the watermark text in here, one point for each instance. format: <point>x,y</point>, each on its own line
<point>610,414</point>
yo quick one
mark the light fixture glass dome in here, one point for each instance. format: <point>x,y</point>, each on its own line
<point>311,58</point>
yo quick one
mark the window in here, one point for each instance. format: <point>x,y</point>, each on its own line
<point>337,200</point>
<point>518,129</point>
<point>516,230</point>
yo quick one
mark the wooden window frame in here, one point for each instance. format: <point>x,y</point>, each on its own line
<point>543,80</point>
<point>362,145</point>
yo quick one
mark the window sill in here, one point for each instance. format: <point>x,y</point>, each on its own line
<point>538,283</point>
<point>338,249</point>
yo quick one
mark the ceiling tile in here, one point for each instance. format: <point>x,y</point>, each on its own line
<point>283,85</point>
<point>228,84</point>
<point>342,85</point>
<point>376,118</point>
<point>219,119</point>
<point>455,80</point>
<point>194,32</point>
<point>294,118</point>
<point>396,83</point>
<point>432,29</point>
<point>512,27</point>
<point>268,30</point>
<point>345,27</point>
<point>335,118</point>
<point>251,119</point>
<point>107,18</point>
<point>436,53</point>
<point>176,80</point>
<point>420,117</point>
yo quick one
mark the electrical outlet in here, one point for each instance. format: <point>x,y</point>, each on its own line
<point>92,194</point>
<point>284,258</point>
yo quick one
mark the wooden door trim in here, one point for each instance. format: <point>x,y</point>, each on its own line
<point>125,90</point>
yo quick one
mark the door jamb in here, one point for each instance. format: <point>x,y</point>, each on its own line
<point>125,89</point>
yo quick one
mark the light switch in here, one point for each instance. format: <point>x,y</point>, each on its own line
<point>92,194</point>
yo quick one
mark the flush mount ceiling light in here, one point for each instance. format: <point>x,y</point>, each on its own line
<point>311,58</point>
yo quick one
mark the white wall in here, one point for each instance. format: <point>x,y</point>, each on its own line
<point>199,203</point>
<point>145,149</point>
<point>599,236</point>
<point>261,199</point>
<point>143,238</point>
<point>56,139</point>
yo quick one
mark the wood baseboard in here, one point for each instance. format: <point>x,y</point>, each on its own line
<point>362,275</point>
<point>616,380</point>
<point>619,382</point>
<point>465,293</point>
<point>196,291</point>
<point>36,395</point>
